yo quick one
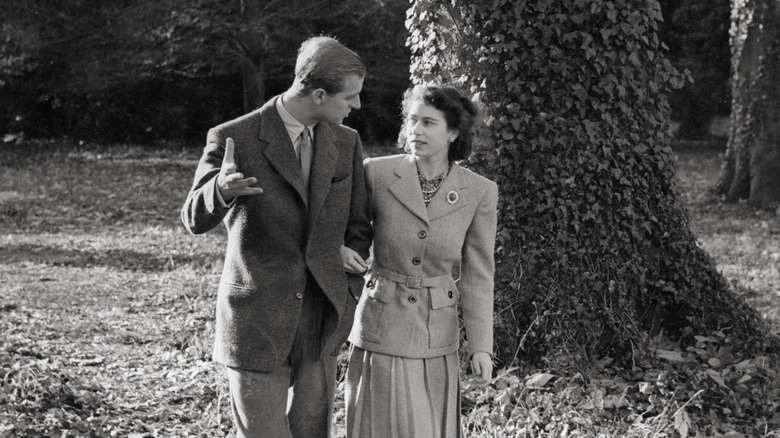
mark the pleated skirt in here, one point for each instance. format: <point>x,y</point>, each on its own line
<point>397,397</point>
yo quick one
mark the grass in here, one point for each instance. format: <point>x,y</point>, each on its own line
<point>106,310</point>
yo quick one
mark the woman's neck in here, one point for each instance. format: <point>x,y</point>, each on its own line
<point>431,168</point>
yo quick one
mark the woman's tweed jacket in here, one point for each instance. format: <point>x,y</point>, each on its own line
<point>417,317</point>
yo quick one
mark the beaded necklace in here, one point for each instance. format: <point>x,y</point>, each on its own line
<point>431,186</point>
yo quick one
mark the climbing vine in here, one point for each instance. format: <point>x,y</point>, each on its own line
<point>594,252</point>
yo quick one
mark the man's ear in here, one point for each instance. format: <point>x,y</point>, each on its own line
<point>318,95</point>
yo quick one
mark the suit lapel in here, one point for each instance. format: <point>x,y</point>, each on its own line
<point>279,150</point>
<point>407,188</point>
<point>322,168</point>
<point>451,195</point>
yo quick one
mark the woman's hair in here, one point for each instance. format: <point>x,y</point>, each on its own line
<point>459,113</point>
<point>324,63</point>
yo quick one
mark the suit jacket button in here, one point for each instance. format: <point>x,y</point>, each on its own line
<point>416,261</point>
<point>299,296</point>
<point>449,294</point>
<point>412,299</point>
<point>422,234</point>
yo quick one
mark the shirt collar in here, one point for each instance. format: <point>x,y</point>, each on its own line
<point>293,126</point>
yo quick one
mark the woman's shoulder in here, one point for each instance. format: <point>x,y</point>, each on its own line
<point>384,164</point>
<point>385,160</point>
<point>477,180</point>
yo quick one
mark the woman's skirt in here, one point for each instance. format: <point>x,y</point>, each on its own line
<point>398,397</point>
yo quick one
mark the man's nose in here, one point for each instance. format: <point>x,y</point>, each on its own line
<point>356,103</point>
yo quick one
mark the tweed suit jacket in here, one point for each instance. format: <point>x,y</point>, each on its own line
<point>275,239</point>
<point>457,228</point>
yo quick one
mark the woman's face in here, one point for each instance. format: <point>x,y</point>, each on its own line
<point>427,134</point>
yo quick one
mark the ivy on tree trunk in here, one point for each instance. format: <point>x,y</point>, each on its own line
<point>595,256</point>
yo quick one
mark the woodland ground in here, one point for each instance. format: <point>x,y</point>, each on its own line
<point>106,313</point>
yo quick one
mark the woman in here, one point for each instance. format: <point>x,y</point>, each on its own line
<point>430,216</point>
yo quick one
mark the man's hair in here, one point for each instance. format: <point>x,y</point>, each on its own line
<point>324,63</point>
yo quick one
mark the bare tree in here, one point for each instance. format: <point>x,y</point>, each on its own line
<point>752,166</point>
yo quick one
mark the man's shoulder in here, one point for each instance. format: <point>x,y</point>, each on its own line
<point>252,117</point>
<point>342,131</point>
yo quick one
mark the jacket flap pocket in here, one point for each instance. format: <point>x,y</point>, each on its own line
<point>444,295</point>
<point>380,289</point>
<point>339,177</point>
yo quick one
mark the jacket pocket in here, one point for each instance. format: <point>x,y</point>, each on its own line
<point>443,318</point>
<point>372,309</point>
<point>340,177</point>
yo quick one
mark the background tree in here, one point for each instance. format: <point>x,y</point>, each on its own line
<point>595,255</point>
<point>752,166</point>
<point>161,69</point>
<point>696,33</point>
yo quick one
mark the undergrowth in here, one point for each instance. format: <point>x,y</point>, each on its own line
<point>106,310</point>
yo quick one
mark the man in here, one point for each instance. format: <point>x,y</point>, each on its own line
<point>287,182</point>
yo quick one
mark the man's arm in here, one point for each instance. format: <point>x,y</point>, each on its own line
<point>217,183</point>
<point>359,231</point>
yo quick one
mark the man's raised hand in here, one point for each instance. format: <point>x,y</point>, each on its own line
<point>230,182</point>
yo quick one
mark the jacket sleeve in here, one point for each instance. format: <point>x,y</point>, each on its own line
<point>476,275</point>
<point>202,210</point>
<point>359,232</point>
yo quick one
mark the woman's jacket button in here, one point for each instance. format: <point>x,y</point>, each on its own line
<point>416,261</point>
<point>412,299</point>
<point>422,234</point>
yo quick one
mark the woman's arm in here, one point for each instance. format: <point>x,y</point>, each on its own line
<point>477,271</point>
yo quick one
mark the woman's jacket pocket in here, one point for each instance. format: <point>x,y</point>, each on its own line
<point>373,308</point>
<point>443,319</point>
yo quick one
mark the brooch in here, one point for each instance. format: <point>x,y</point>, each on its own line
<point>452,197</point>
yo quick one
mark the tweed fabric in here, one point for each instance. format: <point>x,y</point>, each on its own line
<point>275,240</point>
<point>455,232</point>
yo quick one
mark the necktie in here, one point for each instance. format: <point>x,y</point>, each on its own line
<point>304,156</point>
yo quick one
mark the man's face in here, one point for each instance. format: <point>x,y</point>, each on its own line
<point>335,107</point>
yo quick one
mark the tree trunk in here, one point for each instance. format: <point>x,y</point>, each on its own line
<point>253,78</point>
<point>595,256</point>
<point>253,40</point>
<point>752,163</point>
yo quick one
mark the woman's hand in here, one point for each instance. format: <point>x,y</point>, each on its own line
<point>482,366</point>
<point>352,262</point>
